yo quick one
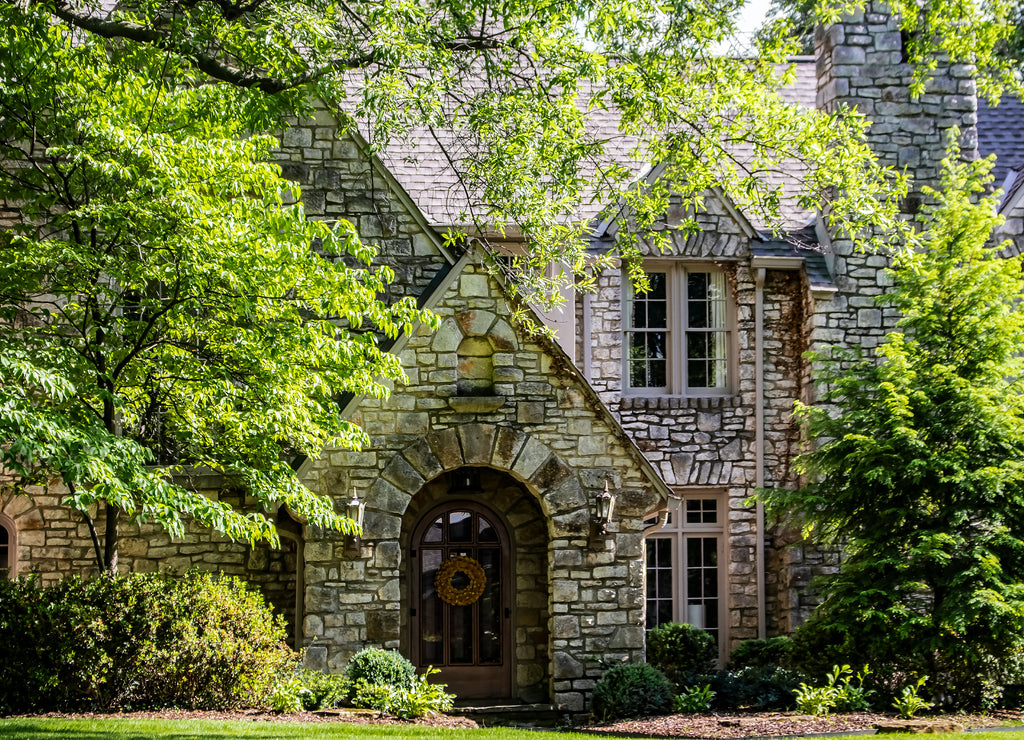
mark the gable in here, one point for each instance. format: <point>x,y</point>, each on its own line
<point>341,179</point>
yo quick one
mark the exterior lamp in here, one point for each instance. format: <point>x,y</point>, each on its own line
<point>604,507</point>
<point>355,509</point>
<point>465,482</point>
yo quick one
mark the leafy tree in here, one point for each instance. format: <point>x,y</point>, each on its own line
<point>988,34</point>
<point>158,297</point>
<point>160,306</point>
<point>918,474</point>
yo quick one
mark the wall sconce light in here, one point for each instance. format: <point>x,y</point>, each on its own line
<point>604,507</point>
<point>465,482</point>
<point>356,509</point>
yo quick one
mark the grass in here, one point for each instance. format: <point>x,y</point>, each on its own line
<point>142,729</point>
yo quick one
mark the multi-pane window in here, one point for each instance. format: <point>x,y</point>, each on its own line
<point>677,333</point>
<point>686,568</point>
<point>8,546</point>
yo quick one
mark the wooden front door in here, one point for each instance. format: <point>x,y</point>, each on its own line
<point>461,549</point>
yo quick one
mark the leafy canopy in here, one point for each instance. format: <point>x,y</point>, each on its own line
<point>918,473</point>
<point>157,290</point>
<point>159,301</point>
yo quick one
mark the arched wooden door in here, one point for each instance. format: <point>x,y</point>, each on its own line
<point>469,642</point>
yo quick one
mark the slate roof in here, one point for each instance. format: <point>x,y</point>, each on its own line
<point>423,170</point>
<point>1001,132</point>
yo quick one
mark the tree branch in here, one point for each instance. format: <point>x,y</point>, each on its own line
<point>206,63</point>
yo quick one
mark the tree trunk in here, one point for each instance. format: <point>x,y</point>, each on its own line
<point>110,537</point>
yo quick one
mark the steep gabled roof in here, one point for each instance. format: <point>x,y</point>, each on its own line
<point>421,166</point>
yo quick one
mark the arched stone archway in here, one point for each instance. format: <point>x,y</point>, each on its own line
<point>589,608</point>
<point>523,620</point>
<point>561,492</point>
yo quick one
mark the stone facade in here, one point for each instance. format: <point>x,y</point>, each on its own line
<point>546,446</point>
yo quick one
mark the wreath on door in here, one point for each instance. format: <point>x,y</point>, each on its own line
<point>469,593</point>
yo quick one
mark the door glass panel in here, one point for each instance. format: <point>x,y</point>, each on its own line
<point>485,531</point>
<point>431,613</point>
<point>460,526</point>
<point>460,636</point>
<point>489,608</point>
<point>435,531</point>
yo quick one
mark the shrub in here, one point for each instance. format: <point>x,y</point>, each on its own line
<point>908,703</point>
<point>695,699</point>
<point>138,641</point>
<point>632,690</point>
<point>379,667</point>
<point>774,651</point>
<point>420,699</point>
<point>839,693</point>
<point>681,651</point>
<point>322,690</point>
<point>768,687</point>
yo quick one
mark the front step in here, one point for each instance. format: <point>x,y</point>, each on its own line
<point>512,715</point>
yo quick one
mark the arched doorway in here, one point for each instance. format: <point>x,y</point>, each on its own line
<point>467,637</point>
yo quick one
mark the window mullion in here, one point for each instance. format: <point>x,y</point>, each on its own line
<point>678,338</point>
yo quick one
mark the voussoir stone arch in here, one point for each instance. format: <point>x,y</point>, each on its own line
<point>525,457</point>
<point>475,323</point>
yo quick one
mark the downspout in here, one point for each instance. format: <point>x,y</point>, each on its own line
<point>588,346</point>
<point>762,630</point>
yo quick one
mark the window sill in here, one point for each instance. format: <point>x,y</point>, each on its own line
<point>679,402</point>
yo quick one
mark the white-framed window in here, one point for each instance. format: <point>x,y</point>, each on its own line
<point>677,337</point>
<point>8,547</point>
<point>686,564</point>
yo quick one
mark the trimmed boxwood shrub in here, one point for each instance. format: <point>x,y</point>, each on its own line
<point>681,652</point>
<point>378,667</point>
<point>632,690</point>
<point>139,641</point>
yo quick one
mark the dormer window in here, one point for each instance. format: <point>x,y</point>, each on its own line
<point>677,337</point>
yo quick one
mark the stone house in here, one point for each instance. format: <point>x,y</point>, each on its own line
<point>491,465</point>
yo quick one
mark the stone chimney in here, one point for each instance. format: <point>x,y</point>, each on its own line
<point>861,62</point>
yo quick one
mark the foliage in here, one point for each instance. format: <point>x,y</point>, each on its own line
<point>288,696</point>
<point>681,651</point>
<point>986,34</point>
<point>138,642</point>
<point>754,687</point>
<point>908,703</point>
<point>420,699</point>
<point>815,700</point>
<point>772,651</point>
<point>162,308</point>
<point>631,690</point>
<point>695,699</point>
<point>379,667</point>
<point>322,690</point>
<point>838,693</point>
<point>919,473</point>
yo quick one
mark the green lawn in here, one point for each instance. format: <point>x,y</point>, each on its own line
<point>142,729</point>
<point>139,729</point>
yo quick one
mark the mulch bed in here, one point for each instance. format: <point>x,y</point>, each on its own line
<point>769,724</point>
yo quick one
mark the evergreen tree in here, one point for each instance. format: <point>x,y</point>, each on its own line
<point>917,472</point>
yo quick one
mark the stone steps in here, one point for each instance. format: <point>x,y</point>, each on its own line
<point>512,714</point>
